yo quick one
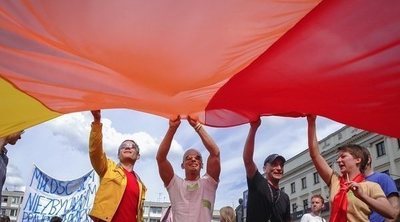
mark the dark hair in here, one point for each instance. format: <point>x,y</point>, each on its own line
<point>56,219</point>
<point>368,155</point>
<point>356,151</point>
<point>318,196</point>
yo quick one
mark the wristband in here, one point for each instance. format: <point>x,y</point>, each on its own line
<point>197,127</point>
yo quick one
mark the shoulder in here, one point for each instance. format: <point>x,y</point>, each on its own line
<point>376,176</point>
<point>111,164</point>
<point>384,177</point>
<point>176,178</point>
<point>208,179</point>
<point>307,215</point>
<point>335,178</point>
<point>257,176</point>
<point>284,194</point>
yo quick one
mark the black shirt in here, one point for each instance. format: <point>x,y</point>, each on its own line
<point>266,203</point>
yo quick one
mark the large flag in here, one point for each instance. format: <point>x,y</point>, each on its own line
<point>46,197</point>
<point>227,62</point>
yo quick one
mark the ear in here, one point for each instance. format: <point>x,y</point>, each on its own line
<point>137,156</point>
<point>182,166</point>
<point>265,168</point>
<point>358,161</point>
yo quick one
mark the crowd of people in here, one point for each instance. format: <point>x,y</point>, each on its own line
<point>356,192</point>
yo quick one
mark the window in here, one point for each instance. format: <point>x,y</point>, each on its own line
<point>293,187</point>
<point>387,172</point>
<point>398,143</point>
<point>283,189</point>
<point>380,149</point>
<point>13,212</point>
<point>4,200</point>
<point>294,207</point>
<point>303,183</point>
<point>14,200</point>
<point>316,178</point>
<point>155,210</point>
<point>146,210</point>
<point>305,204</point>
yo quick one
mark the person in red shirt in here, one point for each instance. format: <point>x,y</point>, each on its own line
<point>121,193</point>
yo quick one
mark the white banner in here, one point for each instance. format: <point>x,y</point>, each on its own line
<point>46,197</point>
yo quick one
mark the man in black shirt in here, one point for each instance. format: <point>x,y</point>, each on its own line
<point>266,202</point>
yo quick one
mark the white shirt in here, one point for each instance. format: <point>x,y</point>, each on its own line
<point>192,200</point>
<point>311,218</point>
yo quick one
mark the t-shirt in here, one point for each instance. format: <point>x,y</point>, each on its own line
<point>127,209</point>
<point>192,200</point>
<point>311,218</point>
<point>389,188</point>
<point>265,202</point>
<point>357,210</point>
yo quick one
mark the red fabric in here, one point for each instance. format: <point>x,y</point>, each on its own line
<point>332,63</point>
<point>127,209</point>
<point>340,201</point>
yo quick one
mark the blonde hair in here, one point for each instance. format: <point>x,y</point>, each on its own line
<point>227,214</point>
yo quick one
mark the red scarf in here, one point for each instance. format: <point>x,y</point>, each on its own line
<point>340,202</point>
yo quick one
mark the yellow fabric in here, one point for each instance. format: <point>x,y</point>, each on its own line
<point>19,105</point>
<point>357,210</point>
<point>112,181</point>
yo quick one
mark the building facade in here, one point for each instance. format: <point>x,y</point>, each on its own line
<point>153,210</point>
<point>10,203</point>
<point>301,180</point>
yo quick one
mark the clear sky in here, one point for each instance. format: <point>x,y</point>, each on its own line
<point>60,148</point>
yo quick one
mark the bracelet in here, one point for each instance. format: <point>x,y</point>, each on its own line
<point>197,127</point>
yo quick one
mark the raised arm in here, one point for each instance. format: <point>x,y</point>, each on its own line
<point>323,168</point>
<point>97,156</point>
<point>248,150</point>
<point>164,166</point>
<point>213,160</point>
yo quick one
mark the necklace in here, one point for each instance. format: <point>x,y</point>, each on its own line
<point>274,198</point>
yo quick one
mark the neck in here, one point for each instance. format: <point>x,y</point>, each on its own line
<point>317,213</point>
<point>352,175</point>
<point>192,176</point>
<point>127,166</point>
<point>368,171</point>
<point>274,183</point>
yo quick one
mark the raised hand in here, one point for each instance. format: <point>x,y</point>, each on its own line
<point>96,115</point>
<point>192,121</point>
<point>174,123</point>
<point>255,123</point>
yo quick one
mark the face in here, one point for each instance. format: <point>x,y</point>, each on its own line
<point>274,170</point>
<point>192,162</point>
<point>12,139</point>
<point>128,153</point>
<point>316,205</point>
<point>347,163</point>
